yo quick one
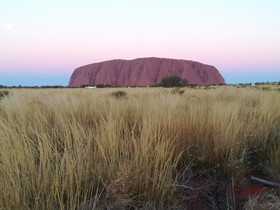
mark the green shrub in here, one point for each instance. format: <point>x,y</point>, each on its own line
<point>103,86</point>
<point>49,86</point>
<point>173,81</point>
<point>119,94</point>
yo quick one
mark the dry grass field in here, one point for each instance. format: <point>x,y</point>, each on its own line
<point>149,149</point>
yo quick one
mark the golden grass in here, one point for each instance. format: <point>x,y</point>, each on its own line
<point>263,202</point>
<point>84,149</point>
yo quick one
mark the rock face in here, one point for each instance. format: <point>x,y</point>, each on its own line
<point>143,72</point>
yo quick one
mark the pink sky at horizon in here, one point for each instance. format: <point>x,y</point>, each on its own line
<point>237,37</point>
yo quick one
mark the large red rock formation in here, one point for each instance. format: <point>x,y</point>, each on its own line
<point>143,72</point>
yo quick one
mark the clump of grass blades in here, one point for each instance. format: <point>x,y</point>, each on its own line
<point>265,201</point>
<point>178,91</point>
<point>4,93</point>
<point>119,94</point>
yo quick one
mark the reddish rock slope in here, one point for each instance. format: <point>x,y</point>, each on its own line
<point>143,72</point>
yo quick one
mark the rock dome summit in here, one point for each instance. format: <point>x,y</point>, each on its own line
<point>143,72</point>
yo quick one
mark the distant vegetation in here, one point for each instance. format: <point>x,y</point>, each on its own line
<point>97,86</point>
<point>173,81</point>
<point>80,149</point>
<point>34,87</point>
<point>103,86</point>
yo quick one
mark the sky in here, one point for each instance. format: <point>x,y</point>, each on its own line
<point>43,41</point>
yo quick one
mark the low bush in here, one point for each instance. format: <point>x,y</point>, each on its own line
<point>103,86</point>
<point>119,94</point>
<point>173,81</point>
